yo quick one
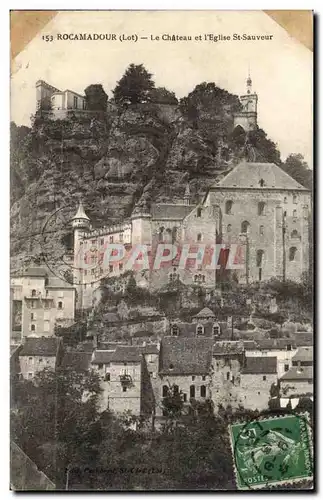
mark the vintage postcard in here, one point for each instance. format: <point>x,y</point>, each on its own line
<point>161,293</point>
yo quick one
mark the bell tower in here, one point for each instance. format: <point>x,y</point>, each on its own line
<point>247,117</point>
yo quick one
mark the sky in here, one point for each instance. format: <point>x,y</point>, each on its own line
<point>281,69</point>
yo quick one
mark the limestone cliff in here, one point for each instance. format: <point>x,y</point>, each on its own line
<point>113,160</point>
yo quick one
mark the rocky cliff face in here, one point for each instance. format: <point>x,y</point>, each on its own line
<point>144,152</point>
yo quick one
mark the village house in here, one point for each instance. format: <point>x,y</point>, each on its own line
<point>185,366</point>
<point>257,377</point>
<point>36,354</point>
<point>39,301</point>
<point>58,101</point>
<point>299,378</point>
<point>125,373</point>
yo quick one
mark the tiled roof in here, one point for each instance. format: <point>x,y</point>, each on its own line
<point>43,346</point>
<point>77,361</point>
<point>149,349</point>
<point>205,313</point>
<point>55,282</point>
<point>303,354</point>
<point>260,365</point>
<point>303,338</point>
<point>229,347</point>
<point>296,373</point>
<point>124,354</point>
<point>102,357</point>
<point>248,175</point>
<point>280,343</point>
<point>36,272</point>
<point>167,211</point>
<point>86,346</point>
<point>185,356</point>
<point>250,345</point>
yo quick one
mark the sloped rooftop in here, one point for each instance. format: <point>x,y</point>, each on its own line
<point>302,373</point>
<point>185,356</point>
<point>260,365</point>
<point>165,211</point>
<point>43,346</point>
<point>303,354</point>
<point>259,176</point>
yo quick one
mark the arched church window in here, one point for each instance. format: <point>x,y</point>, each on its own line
<point>33,293</point>
<point>245,227</point>
<point>203,391</point>
<point>292,253</point>
<point>192,391</point>
<point>261,208</point>
<point>228,207</point>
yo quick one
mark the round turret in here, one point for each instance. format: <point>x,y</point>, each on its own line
<point>80,219</point>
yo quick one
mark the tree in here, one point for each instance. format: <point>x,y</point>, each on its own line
<point>95,97</point>
<point>58,411</point>
<point>135,86</point>
<point>296,167</point>
<point>161,95</point>
<point>265,149</point>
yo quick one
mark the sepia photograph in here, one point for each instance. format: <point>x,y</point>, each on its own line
<point>161,251</point>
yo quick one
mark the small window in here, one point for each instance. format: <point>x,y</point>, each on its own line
<point>229,228</point>
<point>107,377</point>
<point>199,212</point>
<point>292,253</point>
<point>184,398</point>
<point>174,330</point>
<point>165,391</point>
<point>176,389</point>
<point>93,242</point>
<point>261,230</point>
<point>33,293</point>
<point>216,330</point>
<point>261,208</point>
<point>30,375</point>
<point>124,388</point>
<point>171,366</point>
<point>120,267</point>
<point>286,368</point>
<point>294,199</point>
<point>33,304</point>
<point>289,347</point>
<point>199,329</point>
<point>192,391</point>
<point>121,237</point>
<point>110,239</point>
<point>102,241</point>
<point>245,226</point>
<point>228,375</point>
<point>199,237</point>
<point>193,378</point>
<point>32,316</point>
<point>294,234</point>
<point>261,183</point>
<point>294,214</point>
<point>40,360</point>
<point>33,328</point>
<point>30,358</point>
<point>203,377</point>
<point>264,377</point>
<point>203,391</point>
<point>60,305</point>
<point>75,102</point>
<point>100,366</point>
<point>84,104</point>
<point>228,207</point>
<point>285,199</point>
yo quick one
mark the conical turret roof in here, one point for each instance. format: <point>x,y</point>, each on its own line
<point>80,214</point>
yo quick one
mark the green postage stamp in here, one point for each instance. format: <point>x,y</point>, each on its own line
<point>272,451</point>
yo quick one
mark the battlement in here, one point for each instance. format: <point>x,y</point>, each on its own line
<point>106,231</point>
